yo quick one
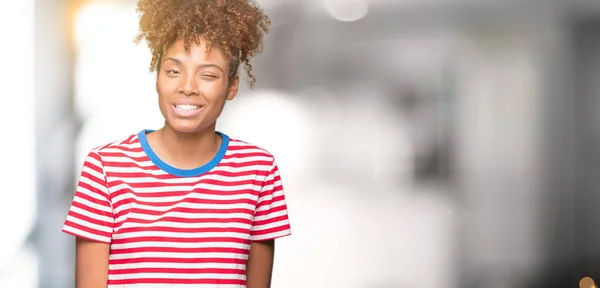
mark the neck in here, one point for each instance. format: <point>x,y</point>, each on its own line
<point>188,150</point>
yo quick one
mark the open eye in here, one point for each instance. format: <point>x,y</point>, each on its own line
<point>172,72</point>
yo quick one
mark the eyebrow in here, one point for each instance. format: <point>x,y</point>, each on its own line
<point>201,66</point>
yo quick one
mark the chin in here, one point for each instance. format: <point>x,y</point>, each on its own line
<point>187,127</point>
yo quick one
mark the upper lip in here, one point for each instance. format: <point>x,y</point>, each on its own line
<point>187,102</point>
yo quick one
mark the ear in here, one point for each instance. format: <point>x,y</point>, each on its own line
<point>233,88</point>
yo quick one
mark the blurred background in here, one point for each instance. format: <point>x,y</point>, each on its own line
<point>422,143</point>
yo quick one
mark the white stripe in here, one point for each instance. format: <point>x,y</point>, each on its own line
<point>95,195</point>
<point>94,161</point>
<point>271,186</point>
<point>175,276</point>
<point>199,186</point>
<point>98,186</point>
<point>178,255</point>
<point>167,244</point>
<point>188,195</point>
<point>271,225</point>
<point>272,206</point>
<point>241,169</point>
<point>247,150</point>
<point>92,215</point>
<point>127,153</point>
<point>181,204</point>
<point>200,235</point>
<point>271,235</point>
<point>246,159</point>
<point>175,265</point>
<point>203,224</point>
<point>93,172</point>
<point>120,159</point>
<point>85,234</point>
<point>177,286</point>
<point>189,215</point>
<point>87,203</point>
<point>134,145</point>
<point>187,180</point>
<point>271,215</point>
<point>89,225</point>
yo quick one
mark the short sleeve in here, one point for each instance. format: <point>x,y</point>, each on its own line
<point>91,215</point>
<point>271,216</point>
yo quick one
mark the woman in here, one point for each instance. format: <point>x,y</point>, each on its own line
<point>185,205</point>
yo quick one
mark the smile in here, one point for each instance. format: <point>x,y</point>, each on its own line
<point>186,110</point>
<point>187,107</point>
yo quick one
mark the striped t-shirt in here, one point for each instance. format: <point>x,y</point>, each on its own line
<point>169,227</point>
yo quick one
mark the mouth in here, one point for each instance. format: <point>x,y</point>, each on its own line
<point>186,110</point>
<point>187,107</point>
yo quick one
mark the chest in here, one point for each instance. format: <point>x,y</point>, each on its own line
<point>204,208</point>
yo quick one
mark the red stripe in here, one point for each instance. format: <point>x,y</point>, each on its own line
<point>271,210</point>
<point>95,156</point>
<point>91,210</point>
<point>222,173</point>
<point>178,271</point>
<point>126,191</point>
<point>189,219</point>
<point>270,220</point>
<point>177,260</point>
<point>122,154</point>
<point>243,164</point>
<point>188,200</point>
<point>245,154</point>
<point>178,250</point>
<point>87,229</point>
<point>180,239</point>
<point>192,211</point>
<point>269,201</point>
<point>176,281</point>
<point>199,182</point>
<point>89,219</point>
<point>271,230</point>
<point>129,165</point>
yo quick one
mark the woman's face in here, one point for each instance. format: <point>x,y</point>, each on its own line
<point>193,87</point>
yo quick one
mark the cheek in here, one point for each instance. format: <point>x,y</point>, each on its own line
<point>164,84</point>
<point>215,92</point>
<point>165,88</point>
<point>162,89</point>
<point>218,100</point>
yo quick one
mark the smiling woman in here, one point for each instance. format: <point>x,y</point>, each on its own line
<point>184,205</point>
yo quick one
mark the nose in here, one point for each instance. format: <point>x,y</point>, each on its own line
<point>189,85</point>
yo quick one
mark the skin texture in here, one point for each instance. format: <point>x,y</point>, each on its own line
<point>199,76</point>
<point>91,264</point>
<point>260,264</point>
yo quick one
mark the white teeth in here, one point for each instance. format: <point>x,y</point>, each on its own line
<point>187,107</point>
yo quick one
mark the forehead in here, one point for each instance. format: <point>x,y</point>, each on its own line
<point>197,54</point>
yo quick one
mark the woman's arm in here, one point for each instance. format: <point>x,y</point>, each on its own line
<point>91,265</point>
<point>260,264</point>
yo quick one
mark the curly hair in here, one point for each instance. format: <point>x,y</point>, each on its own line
<point>237,27</point>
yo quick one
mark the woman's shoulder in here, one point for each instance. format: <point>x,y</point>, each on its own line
<point>241,147</point>
<point>127,143</point>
